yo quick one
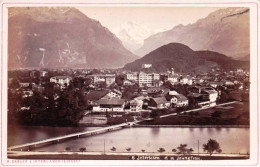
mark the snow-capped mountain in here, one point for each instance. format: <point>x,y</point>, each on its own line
<point>133,34</point>
<point>225,31</point>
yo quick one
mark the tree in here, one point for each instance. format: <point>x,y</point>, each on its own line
<point>174,150</point>
<point>182,149</point>
<point>83,149</point>
<point>143,151</point>
<point>189,151</point>
<point>161,150</point>
<point>211,146</point>
<point>67,149</point>
<point>113,149</point>
<point>128,149</point>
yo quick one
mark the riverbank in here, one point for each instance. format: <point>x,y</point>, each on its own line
<point>120,156</point>
<point>192,126</point>
<point>233,114</point>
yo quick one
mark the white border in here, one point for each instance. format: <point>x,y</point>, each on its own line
<point>253,79</point>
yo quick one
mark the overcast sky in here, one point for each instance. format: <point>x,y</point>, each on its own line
<point>155,18</point>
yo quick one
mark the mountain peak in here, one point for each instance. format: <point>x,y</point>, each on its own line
<point>220,31</point>
<point>61,37</point>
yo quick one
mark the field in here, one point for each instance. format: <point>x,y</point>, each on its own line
<point>232,114</point>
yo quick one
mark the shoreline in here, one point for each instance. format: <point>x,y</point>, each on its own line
<point>192,126</point>
<point>121,156</point>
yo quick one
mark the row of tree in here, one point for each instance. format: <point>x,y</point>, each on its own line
<point>212,146</point>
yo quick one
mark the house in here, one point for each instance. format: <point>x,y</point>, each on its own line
<point>173,92</point>
<point>109,105</point>
<point>229,83</point>
<point>24,84</point>
<point>172,78</point>
<point>136,105</point>
<point>158,103</point>
<point>210,95</point>
<point>27,93</point>
<point>153,92</point>
<point>186,80</point>
<point>107,78</point>
<point>113,94</point>
<point>178,100</point>
<point>144,79</point>
<point>38,88</point>
<point>216,84</point>
<point>62,80</point>
<point>158,83</point>
<point>146,65</point>
<point>43,73</point>
<point>157,91</point>
<point>95,95</point>
<point>128,82</point>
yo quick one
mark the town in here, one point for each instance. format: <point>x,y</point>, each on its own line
<point>90,97</point>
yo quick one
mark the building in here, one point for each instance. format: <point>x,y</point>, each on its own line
<point>43,73</point>
<point>186,80</point>
<point>211,95</point>
<point>146,65</point>
<point>113,94</point>
<point>158,103</point>
<point>107,78</point>
<point>216,84</point>
<point>62,80</point>
<point>128,82</point>
<point>144,79</point>
<point>96,95</point>
<point>177,100</point>
<point>109,105</point>
<point>136,105</point>
<point>172,78</point>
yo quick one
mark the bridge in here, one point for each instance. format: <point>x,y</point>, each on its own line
<point>29,146</point>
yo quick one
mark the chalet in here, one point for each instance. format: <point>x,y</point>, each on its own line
<point>114,93</point>
<point>158,103</point>
<point>157,91</point>
<point>136,105</point>
<point>210,95</point>
<point>178,100</point>
<point>109,105</point>
<point>95,95</point>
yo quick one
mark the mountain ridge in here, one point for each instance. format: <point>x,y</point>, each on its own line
<point>183,59</point>
<point>61,37</point>
<point>220,31</point>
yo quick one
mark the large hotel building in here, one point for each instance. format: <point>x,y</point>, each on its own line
<point>148,79</point>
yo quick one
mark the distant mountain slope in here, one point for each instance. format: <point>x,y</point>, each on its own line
<point>183,59</point>
<point>61,37</point>
<point>225,31</point>
<point>133,34</point>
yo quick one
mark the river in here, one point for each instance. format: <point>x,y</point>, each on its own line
<point>231,140</point>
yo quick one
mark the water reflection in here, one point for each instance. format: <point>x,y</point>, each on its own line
<point>148,139</point>
<point>155,131</point>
